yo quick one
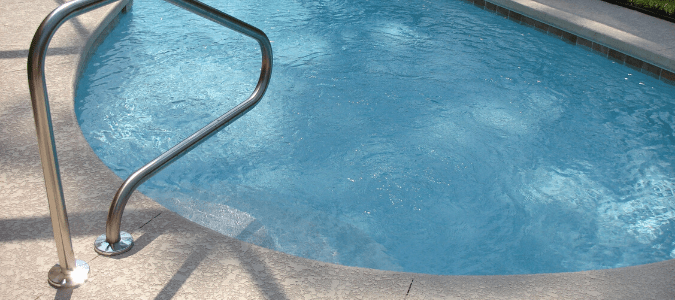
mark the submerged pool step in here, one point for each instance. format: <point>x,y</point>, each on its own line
<point>223,219</point>
<point>307,236</point>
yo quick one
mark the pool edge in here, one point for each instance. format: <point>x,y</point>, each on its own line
<point>611,43</point>
<point>177,258</point>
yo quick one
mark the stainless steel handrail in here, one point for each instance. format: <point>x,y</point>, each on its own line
<point>69,272</point>
<point>114,241</point>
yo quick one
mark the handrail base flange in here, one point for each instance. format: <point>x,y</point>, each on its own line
<point>101,246</point>
<point>61,278</point>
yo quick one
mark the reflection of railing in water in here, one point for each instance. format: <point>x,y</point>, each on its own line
<point>71,272</point>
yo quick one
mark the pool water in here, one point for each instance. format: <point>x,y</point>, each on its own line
<point>421,136</point>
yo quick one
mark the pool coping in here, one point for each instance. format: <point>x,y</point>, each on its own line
<point>608,42</point>
<point>174,257</point>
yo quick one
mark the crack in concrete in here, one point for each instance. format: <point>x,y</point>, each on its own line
<point>146,223</point>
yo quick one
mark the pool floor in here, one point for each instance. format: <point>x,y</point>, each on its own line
<point>434,138</point>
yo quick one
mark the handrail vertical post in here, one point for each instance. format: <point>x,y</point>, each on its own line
<point>70,272</point>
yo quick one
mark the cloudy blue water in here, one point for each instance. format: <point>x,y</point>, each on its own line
<point>423,136</point>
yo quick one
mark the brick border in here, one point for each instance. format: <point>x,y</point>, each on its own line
<point>664,75</point>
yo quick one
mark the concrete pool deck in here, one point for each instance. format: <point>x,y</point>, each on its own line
<point>175,258</point>
<point>628,32</point>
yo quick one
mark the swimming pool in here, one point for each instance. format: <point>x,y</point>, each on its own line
<point>429,137</point>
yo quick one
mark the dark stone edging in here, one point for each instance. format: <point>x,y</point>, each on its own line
<point>664,75</point>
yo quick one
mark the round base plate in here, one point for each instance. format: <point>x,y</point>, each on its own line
<point>104,248</point>
<point>62,278</point>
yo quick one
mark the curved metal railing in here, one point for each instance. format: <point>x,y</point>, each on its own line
<point>114,241</point>
<point>71,272</point>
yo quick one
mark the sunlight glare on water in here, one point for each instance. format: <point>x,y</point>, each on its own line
<point>422,136</point>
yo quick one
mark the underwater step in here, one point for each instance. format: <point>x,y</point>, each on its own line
<point>223,219</point>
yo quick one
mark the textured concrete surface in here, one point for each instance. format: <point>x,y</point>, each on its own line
<point>173,257</point>
<point>628,31</point>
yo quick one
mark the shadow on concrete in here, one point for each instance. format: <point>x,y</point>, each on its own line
<point>266,282</point>
<point>63,294</point>
<point>270,288</point>
<point>39,228</point>
<point>142,241</point>
<point>10,54</point>
<point>183,273</point>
